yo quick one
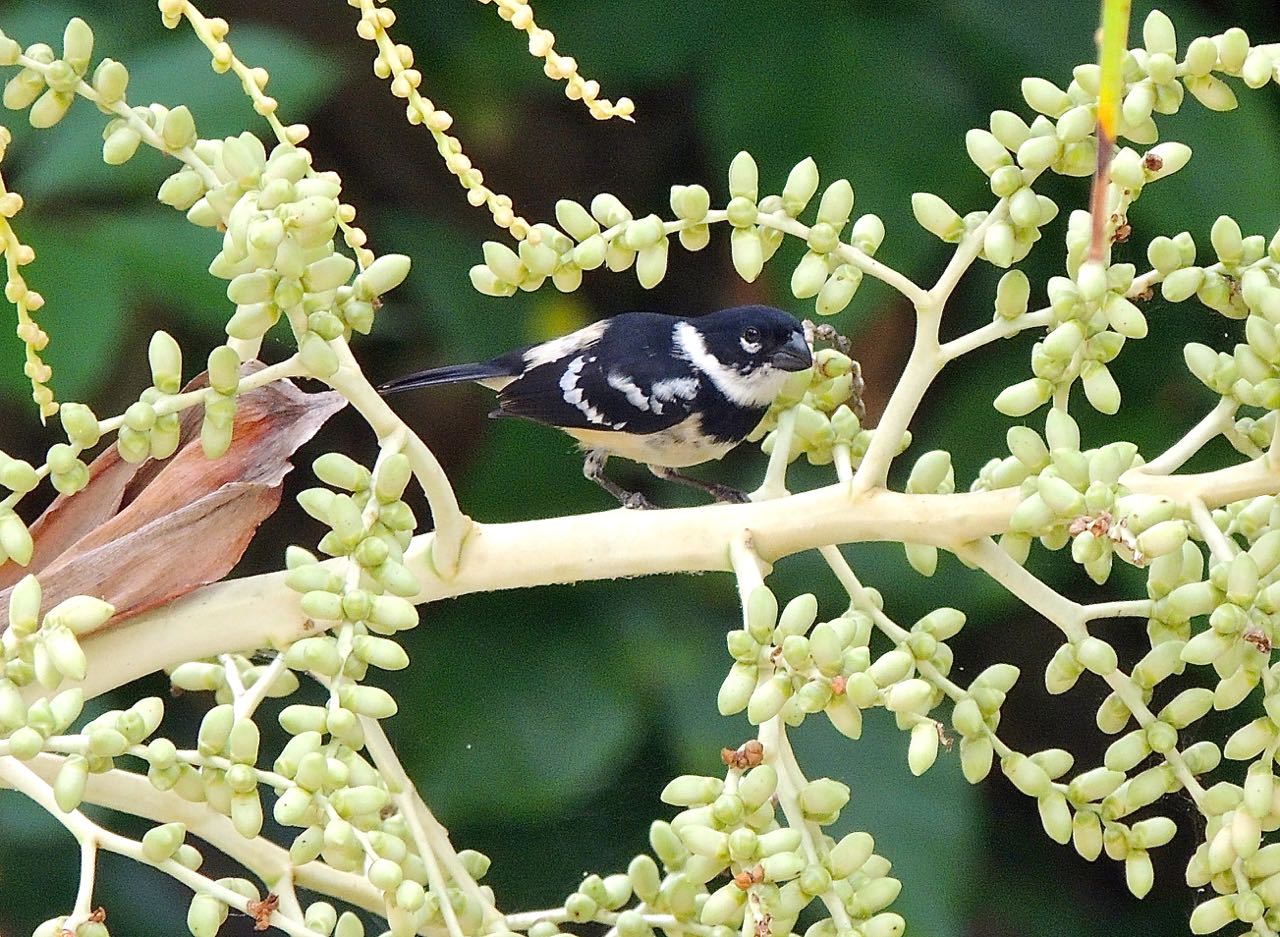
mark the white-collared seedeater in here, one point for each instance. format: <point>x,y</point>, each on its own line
<point>665,391</point>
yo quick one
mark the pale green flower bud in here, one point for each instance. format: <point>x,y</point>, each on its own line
<point>724,906</point>
<point>908,696</point>
<point>998,244</point>
<point>838,291</point>
<point>1024,397</point>
<point>1258,68</point>
<point>874,895</point>
<point>986,151</point>
<point>64,651</point>
<point>1210,91</point>
<point>371,701</point>
<point>1227,240</point>
<point>802,183</point>
<point>1182,284</point>
<point>1097,655</point>
<point>836,204</point>
<point>205,916</point>
<point>937,217</point>
<point>1045,97</point>
<point>577,221</point>
<point>1250,739</point>
<point>1213,915</point>
<point>68,786</point>
<point>540,259</point>
<point>976,756</point>
<point>691,790</point>
<point>178,129</point>
<point>327,273</point>
<point>1138,873</point>
<point>1100,387</point>
<point>782,866</point>
<point>1165,159</point>
<point>1055,817</point>
<point>1039,153</point>
<point>747,253</point>
<point>809,276</point>
<point>768,698</point>
<point>215,730</point>
<point>823,797</point>
<point>743,177</point>
<point>161,842</point>
<point>120,145</point>
<point>922,752</point>
<point>1026,775</point>
<point>845,717</point>
<point>1158,36</point>
<point>349,926</point>
<point>797,617</point>
<point>891,667</point>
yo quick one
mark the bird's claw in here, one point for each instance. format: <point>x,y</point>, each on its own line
<point>637,501</point>
<point>726,495</point>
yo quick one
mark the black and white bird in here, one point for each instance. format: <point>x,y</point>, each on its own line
<point>664,391</point>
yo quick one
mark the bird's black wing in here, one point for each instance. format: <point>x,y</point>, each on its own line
<point>629,380</point>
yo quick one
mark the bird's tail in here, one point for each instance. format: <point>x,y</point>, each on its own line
<point>450,374</point>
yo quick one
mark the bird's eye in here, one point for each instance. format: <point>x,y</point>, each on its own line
<point>751,334</point>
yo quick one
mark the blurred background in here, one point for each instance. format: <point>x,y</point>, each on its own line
<point>542,725</point>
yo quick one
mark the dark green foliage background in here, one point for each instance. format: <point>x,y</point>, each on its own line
<point>542,725</point>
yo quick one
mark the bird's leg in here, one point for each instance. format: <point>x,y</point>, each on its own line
<point>593,468</point>
<point>719,492</point>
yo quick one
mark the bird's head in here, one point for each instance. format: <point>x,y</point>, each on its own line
<point>747,351</point>
<point>750,338</point>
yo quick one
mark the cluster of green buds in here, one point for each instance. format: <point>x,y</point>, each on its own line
<point>150,430</point>
<point>1073,496</point>
<point>932,474</point>
<point>608,234</point>
<point>789,667</point>
<point>1232,860</point>
<point>1242,600</point>
<point>729,828</point>
<point>48,85</point>
<point>1086,811</point>
<point>1242,285</point>
<point>278,250</point>
<point>45,649</point>
<point>20,477</point>
<point>824,399</point>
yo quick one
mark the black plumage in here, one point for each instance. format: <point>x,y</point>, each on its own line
<point>662,390</point>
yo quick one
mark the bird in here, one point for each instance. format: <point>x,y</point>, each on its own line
<point>662,390</point>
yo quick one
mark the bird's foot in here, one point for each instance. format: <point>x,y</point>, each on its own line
<point>636,501</point>
<point>726,495</point>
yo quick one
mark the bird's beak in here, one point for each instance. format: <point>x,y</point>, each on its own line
<point>793,356</point>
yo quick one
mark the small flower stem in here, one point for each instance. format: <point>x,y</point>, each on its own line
<point>1212,424</point>
<point>775,476</point>
<point>246,704</point>
<point>1220,545</point>
<point>451,525</point>
<point>1130,608</point>
<point>429,833</point>
<point>1070,618</point>
<point>777,750</point>
<point>993,331</point>
<point>15,774</point>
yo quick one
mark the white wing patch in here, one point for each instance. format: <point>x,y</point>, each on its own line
<point>573,393</point>
<point>756,388</point>
<point>675,388</point>
<point>635,396</point>
<point>564,346</point>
